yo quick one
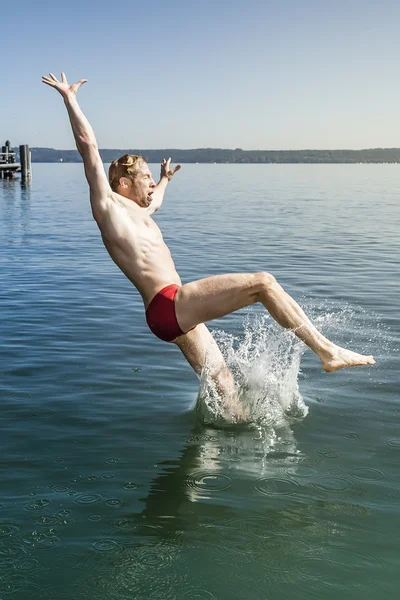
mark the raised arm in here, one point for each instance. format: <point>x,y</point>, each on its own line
<point>159,191</point>
<point>100,191</point>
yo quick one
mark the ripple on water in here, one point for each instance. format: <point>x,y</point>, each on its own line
<point>12,583</point>
<point>42,540</point>
<point>154,436</point>
<point>310,569</point>
<point>240,538</point>
<point>367,474</point>
<point>88,498</point>
<point>10,549</point>
<point>198,594</point>
<point>105,545</point>
<point>208,482</point>
<point>253,527</point>
<point>336,485</point>
<point>328,453</point>
<point>37,504</point>
<point>354,560</point>
<point>394,443</point>
<point>8,529</point>
<point>156,556</point>
<point>300,471</point>
<point>95,517</point>
<point>27,564</point>
<point>274,486</point>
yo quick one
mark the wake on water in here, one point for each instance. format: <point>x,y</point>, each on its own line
<point>265,362</point>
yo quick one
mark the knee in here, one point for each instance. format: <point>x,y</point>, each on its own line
<point>265,281</point>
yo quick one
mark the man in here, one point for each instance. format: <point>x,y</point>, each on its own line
<point>176,313</point>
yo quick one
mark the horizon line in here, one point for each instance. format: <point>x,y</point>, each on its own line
<point>230,149</point>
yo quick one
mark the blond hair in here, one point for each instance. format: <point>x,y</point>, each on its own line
<point>127,165</point>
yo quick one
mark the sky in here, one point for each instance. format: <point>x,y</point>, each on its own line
<point>253,74</point>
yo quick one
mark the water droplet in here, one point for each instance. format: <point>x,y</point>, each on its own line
<point>76,480</point>
<point>114,502</point>
<point>130,485</point>
<point>47,520</point>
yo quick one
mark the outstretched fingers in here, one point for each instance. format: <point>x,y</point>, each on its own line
<point>48,80</point>
<point>62,86</point>
<point>166,171</point>
<point>175,169</point>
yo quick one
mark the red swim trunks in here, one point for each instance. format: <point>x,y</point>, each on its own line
<point>161,315</point>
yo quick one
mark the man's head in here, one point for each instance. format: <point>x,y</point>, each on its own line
<point>130,177</point>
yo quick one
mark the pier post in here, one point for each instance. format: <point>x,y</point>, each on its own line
<point>25,159</point>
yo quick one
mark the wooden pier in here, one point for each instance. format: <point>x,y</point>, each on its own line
<point>8,165</point>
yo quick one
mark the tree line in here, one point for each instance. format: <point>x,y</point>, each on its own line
<point>237,156</point>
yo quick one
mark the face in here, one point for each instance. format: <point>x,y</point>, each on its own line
<point>141,188</point>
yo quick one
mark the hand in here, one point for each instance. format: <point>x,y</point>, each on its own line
<point>166,171</point>
<point>63,86</point>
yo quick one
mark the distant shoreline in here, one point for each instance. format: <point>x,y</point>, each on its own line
<point>228,156</point>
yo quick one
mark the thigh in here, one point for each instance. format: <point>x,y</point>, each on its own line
<point>214,297</point>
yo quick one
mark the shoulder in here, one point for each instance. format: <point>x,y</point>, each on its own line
<point>117,215</point>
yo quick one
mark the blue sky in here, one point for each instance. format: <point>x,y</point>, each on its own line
<point>254,74</point>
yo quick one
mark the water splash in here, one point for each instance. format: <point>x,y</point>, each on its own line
<point>265,363</point>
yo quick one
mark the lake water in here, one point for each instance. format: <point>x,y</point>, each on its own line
<point>111,486</point>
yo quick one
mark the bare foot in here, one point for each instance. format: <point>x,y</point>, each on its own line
<point>346,358</point>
